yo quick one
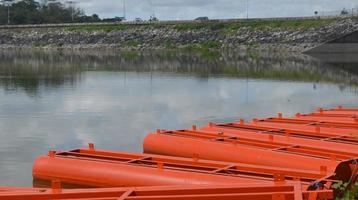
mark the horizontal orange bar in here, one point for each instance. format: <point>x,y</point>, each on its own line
<point>109,168</point>
<point>185,145</point>
<point>287,191</point>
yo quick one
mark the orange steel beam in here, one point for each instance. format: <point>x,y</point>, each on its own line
<point>332,114</point>
<point>331,119</point>
<point>184,144</point>
<point>277,142</point>
<point>339,114</point>
<point>338,111</point>
<point>101,168</point>
<point>288,191</point>
<point>291,131</point>
<point>312,122</point>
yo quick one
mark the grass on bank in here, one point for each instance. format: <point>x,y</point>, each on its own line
<point>212,25</point>
<point>104,28</point>
<point>258,24</point>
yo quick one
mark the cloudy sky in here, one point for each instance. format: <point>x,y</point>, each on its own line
<point>189,9</point>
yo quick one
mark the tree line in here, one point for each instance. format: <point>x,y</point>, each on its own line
<point>34,12</point>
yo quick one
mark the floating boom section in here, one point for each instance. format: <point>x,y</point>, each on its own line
<point>98,168</point>
<point>338,111</point>
<point>262,191</point>
<point>329,119</point>
<point>280,140</point>
<point>276,158</point>
<point>186,143</point>
<point>293,128</point>
<point>85,168</point>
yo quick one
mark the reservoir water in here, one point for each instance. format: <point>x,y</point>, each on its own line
<point>66,99</point>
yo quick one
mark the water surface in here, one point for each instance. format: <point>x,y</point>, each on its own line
<point>64,100</point>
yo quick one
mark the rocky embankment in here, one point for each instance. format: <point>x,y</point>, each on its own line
<point>297,35</point>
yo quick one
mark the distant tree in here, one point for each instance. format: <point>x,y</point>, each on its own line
<point>153,19</point>
<point>87,19</point>
<point>26,12</point>
<point>344,12</point>
<point>43,11</point>
<point>5,10</point>
<point>115,19</point>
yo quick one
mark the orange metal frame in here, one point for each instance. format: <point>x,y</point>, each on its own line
<point>275,139</point>
<point>315,122</point>
<point>65,166</point>
<point>290,191</point>
<point>239,150</point>
<point>350,112</point>
<point>277,158</point>
<point>289,127</point>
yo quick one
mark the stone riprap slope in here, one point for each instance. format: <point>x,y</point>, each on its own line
<point>295,35</point>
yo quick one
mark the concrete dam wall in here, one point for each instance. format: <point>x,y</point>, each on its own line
<point>346,44</point>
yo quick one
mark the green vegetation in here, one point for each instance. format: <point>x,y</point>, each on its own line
<point>131,43</point>
<point>205,49</point>
<point>203,46</point>
<point>224,27</point>
<point>104,28</point>
<point>55,68</point>
<point>33,12</point>
<point>351,194</point>
<point>130,55</point>
<point>41,12</point>
<point>291,24</point>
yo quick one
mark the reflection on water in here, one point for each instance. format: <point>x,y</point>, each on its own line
<point>29,70</point>
<point>66,99</point>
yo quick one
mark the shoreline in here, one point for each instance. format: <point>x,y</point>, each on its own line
<point>262,47</point>
<point>290,36</point>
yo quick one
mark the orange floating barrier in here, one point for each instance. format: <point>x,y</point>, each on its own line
<point>186,144</point>
<point>340,111</point>
<point>289,191</point>
<point>113,173</point>
<point>279,140</point>
<point>330,119</point>
<point>311,128</point>
<point>277,158</point>
<point>293,131</point>
<point>99,168</point>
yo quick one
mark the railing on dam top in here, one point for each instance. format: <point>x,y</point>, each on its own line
<point>344,13</point>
